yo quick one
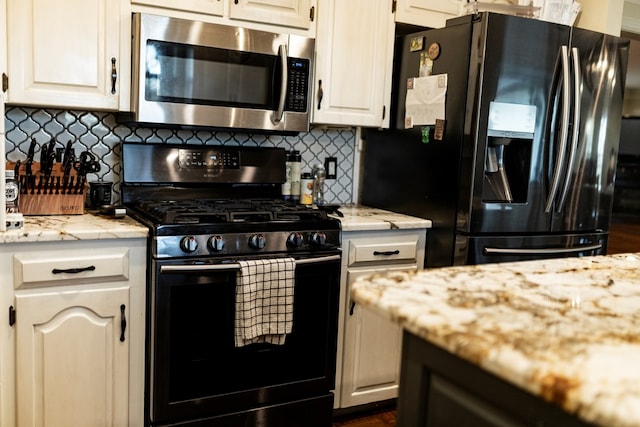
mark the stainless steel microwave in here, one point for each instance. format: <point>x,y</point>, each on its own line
<point>201,74</point>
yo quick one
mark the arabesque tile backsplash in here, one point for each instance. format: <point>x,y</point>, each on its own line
<point>101,134</point>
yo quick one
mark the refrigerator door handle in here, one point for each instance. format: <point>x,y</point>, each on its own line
<point>540,251</point>
<point>564,130</point>
<point>577,83</point>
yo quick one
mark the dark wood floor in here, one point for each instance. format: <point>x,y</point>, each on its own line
<point>377,418</point>
<point>624,236</point>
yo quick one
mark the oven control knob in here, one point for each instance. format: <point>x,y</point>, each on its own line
<point>257,241</point>
<point>216,243</point>
<point>318,238</point>
<point>294,240</point>
<point>189,244</point>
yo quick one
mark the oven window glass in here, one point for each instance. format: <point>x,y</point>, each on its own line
<point>190,74</point>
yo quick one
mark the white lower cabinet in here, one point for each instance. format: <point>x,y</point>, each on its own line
<point>73,363</point>
<point>370,345</point>
<point>77,329</point>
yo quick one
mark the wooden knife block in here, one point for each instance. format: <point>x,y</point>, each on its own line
<point>50,203</point>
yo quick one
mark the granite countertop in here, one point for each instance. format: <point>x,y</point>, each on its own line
<point>89,226</point>
<point>362,218</point>
<point>567,330</point>
<point>49,228</point>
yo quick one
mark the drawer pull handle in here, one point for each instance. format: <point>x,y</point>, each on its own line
<point>387,253</point>
<point>73,270</point>
<point>352,307</point>
<point>123,322</point>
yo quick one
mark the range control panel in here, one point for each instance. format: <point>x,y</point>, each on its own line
<point>175,164</point>
<point>209,159</point>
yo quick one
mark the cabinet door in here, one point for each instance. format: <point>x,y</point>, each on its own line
<point>372,350</point>
<point>354,62</point>
<point>71,364</point>
<point>426,13</point>
<point>64,53</point>
<point>209,7</point>
<point>290,13</point>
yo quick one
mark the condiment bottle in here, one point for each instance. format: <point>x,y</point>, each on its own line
<point>306,189</point>
<point>296,165</point>
<point>12,192</point>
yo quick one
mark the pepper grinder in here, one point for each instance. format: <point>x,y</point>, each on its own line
<point>319,174</point>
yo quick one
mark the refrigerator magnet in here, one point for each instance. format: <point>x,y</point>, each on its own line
<point>416,44</point>
<point>408,122</point>
<point>438,133</point>
<point>426,65</point>
<point>424,133</point>
<point>433,51</point>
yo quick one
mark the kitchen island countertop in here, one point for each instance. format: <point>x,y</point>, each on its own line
<point>565,330</point>
<point>49,228</point>
<point>363,218</point>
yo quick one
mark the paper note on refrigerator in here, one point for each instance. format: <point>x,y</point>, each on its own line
<point>425,100</point>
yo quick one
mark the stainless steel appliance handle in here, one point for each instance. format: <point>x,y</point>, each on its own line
<point>564,130</point>
<point>234,266</point>
<point>277,115</point>
<point>539,251</point>
<point>577,84</point>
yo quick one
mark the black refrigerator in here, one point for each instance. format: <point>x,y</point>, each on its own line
<point>522,165</point>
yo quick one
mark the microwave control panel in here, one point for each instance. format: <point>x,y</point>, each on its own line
<point>298,85</point>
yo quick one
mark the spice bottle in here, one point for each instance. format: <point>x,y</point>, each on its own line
<point>306,189</point>
<point>12,192</point>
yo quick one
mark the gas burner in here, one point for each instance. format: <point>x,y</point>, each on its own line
<point>225,211</point>
<point>182,219</point>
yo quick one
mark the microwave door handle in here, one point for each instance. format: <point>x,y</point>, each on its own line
<point>564,131</point>
<point>277,115</point>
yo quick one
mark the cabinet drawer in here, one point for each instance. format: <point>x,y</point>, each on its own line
<point>70,267</point>
<point>382,251</point>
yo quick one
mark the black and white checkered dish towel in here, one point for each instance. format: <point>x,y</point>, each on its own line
<point>264,301</point>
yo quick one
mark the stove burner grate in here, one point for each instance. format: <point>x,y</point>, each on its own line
<point>225,211</point>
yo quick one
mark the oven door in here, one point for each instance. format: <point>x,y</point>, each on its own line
<point>196,372</point>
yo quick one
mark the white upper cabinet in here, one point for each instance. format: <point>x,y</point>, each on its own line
<point>354,62</point>
<point>65,53</point>
<point>298,16</point>
<point>3,52</point>
<point>208,7</point>
<point>291,13</point>
<point>426,13</point>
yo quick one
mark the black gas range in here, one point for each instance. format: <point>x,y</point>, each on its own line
<point>210,211</point>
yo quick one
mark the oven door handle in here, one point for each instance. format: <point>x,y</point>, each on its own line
<point>234,266</point>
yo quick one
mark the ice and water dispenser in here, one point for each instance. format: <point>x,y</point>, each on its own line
<point>508,152</point>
